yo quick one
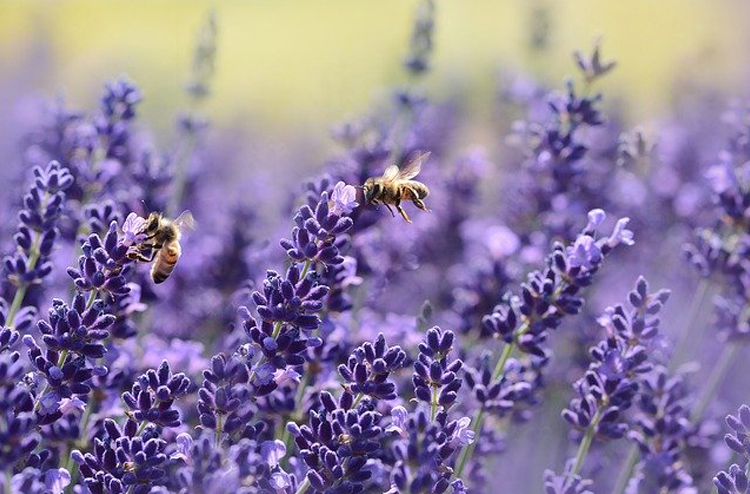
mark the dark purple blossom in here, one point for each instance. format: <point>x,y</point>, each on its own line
<point>151,398</point>
<point>368,368</point>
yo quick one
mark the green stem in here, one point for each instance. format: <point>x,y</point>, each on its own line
<point>72,468</point>
<point>20,294</point>
<point>714,380</point>
<point>468,450</point>
<point>681,348</point>
<point>627,470</point>
<point>286,436</point>
<point>303,487</point>
<point>8,480</point>
<point>478,419</point>
<point>507,352</point>
<point>15,306</point>
<point>141,428</point>
<point>434,404</point>
<point>305,269</point>
<point>92,298</point>
<point>583,448</point>
<point>357,400</point>
<point>691,319</point>
<point>219,430</point>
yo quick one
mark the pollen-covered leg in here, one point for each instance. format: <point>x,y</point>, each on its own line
<point>136,253</point>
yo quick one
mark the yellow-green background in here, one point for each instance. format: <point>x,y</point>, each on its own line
<point>297,64</point>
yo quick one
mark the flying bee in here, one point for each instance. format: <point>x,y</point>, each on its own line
<point>396,185</point>
<point>162,243</point>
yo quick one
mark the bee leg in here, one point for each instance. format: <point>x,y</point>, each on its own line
<point>419,203</point>
<point>137,256</point>
<point>403,213</point>
<point>389,209</point>
<point>136,253</point>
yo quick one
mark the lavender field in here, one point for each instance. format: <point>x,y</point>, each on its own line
<point>492,277</point>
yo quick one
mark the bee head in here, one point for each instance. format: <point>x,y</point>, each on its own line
<point>371,189</point>
<point>152,223</point>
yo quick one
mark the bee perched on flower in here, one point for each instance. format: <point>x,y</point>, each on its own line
<point>159,237</point>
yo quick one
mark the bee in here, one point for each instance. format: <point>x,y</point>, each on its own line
<point>162,243</point>
<point>396,185</point>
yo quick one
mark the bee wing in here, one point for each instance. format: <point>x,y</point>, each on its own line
<point>390,173</point>
<point>185,221</point>
<point>414,166</point>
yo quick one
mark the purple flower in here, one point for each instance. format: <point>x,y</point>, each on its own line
<point>280,482</point>
<point>596,217</point>
<point>286,376</point>
<point>343,199</point>
<point>272,452</point>
<point>264,373</point>
<point>70,405</point>
<point>56,480</point>
<point>463,435</point>
<point>184,447</point>
<point>584,253</point>
<point>620,234</point>
<point>132,230</point>
<point>399,417</point>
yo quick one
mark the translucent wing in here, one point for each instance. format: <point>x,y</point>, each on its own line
<point>413,167</point>
<point>391,172</point>
<point>185,221</point>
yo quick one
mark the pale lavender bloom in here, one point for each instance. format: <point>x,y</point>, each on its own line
<point>621,235</point>
<point>184,446</point>
<point>56,480</point>
<point>584,253</point>
<point>400,418</point>
<point>70,405</point>
<point>50,402</point>
<point>272,452</point>
<point>131,230</point>
<point>343,199</point>
<point>606,322</point>
<point>286,376</point>
<point>458,487</point>
<point>280,482</point>
<point>463,435</point>
<point>264,373</point>
<point>596,217</point>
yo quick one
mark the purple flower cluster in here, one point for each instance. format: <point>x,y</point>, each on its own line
<point>368,355</point>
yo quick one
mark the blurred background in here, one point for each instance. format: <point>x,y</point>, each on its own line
<point>298,67</point>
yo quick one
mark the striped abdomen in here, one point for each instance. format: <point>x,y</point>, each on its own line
<point>165,262</point>
<point>417,190</point>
